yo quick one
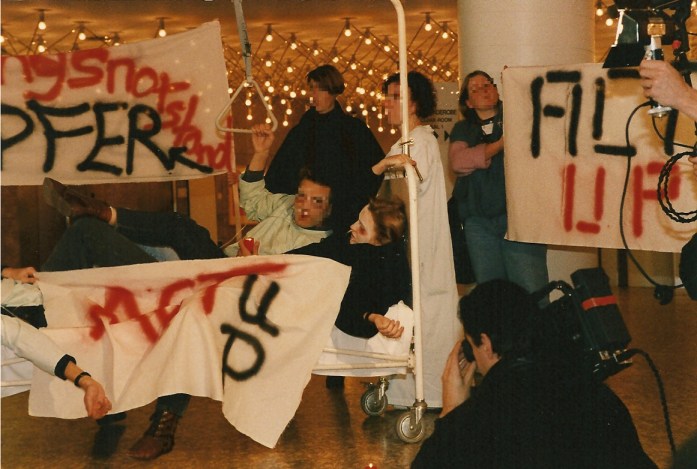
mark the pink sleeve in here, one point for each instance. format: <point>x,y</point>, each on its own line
<point>465,159</point>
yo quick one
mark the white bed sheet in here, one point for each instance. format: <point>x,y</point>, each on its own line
<point>376,344</point>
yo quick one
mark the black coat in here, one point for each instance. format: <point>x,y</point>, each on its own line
<point>380,277</point>
<point>340,150</point>
<point>527,415</point>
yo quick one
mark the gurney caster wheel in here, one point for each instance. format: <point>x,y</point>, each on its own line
<point>371,402</point>
<point>407,430</point>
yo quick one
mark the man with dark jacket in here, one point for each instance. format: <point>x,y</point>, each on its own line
<point>529,410</point>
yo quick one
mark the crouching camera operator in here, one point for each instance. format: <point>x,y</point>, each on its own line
<point>533,408</point>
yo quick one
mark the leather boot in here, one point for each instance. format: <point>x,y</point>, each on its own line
<point>72,204</point>
<point>158,439</point>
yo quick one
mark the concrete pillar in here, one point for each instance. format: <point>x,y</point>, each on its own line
<point>497,33</point>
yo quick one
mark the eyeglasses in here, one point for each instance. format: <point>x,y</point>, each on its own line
<point>315,200</point>
<point>481,88</point>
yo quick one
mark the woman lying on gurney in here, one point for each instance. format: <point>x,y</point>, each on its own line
<point>380,275</point>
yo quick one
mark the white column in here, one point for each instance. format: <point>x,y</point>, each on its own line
<point>496,33</point>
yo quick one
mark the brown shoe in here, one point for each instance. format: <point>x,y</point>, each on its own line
<point>72,204</point>
<point>158,439</point>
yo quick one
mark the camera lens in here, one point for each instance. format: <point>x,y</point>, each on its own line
<point>467,351</point>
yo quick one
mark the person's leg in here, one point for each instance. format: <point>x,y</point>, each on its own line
<point>89,242</point>
<point>189,239</point>
<point>484,247</point>
<point>158,439</point>
<point>526,264</point>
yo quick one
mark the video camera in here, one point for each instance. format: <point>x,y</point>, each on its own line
<point>585,324</point>
<point>584,327</point>
<point>639,21</point>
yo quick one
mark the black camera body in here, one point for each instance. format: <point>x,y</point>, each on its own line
<point>585,324</point>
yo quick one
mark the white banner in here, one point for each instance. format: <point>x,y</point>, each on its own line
<point>245,330</point>
<point>566,161</point>
<point>137,112</point>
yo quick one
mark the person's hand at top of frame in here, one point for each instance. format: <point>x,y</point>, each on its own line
<point>386,326</point>
<point>662,82</point>
<point>20,274</point>
<point>457,379</point>
<point>96,402</point>
<point>394,161</point>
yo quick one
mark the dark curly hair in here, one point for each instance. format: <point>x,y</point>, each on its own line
<point>504,311</point>
<point>421,92</point>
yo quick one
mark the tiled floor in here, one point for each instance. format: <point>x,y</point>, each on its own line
<point>330,430</point>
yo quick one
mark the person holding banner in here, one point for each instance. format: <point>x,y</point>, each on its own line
<point>663,83</point>
<point>29,343</point>
<point>476,155</point>
<point>336,147</point>
<point>438,289</point>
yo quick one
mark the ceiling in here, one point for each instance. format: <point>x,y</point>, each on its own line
<point>315,24</point>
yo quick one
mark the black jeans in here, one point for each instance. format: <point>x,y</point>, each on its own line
<point>189,239</point>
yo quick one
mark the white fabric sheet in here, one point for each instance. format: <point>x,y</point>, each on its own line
<point>115,322</point>
<point>376,344</point>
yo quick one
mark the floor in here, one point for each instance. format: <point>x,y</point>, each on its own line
<point>331,431</point>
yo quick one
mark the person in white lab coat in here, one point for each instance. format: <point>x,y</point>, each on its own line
<point>438,288</point>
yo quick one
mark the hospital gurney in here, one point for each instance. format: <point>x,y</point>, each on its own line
<point>380,356</point>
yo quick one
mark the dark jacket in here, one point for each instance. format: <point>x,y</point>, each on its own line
<point>380,277</point>
<point>340,150</point>
<point>482,193</point>
<point>527,415</point>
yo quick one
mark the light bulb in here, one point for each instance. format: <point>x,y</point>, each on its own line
<point>268,120</point>
<point>349,108</point>
<point>609,22</point>
<point>285,123</point>
<point>380,129</point>
<point>293,94</point>
<point>289,111</point>
<point>283,101</point>
<point>599,11</point>
<point>365,112</point>
<point>347,28</point>
<point>247,102</point>
<point>269,33</point>
<point>82,36</point>
<point>270,89</point>
<point>249,117</point>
